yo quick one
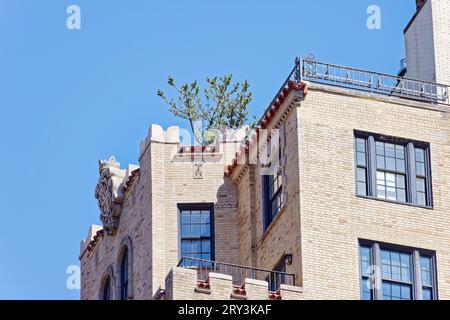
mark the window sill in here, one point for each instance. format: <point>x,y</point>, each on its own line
<point>396,202</point>
<point>271,225</point>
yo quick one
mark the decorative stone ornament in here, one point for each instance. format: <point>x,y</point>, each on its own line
<point>108,194</point>
<point>198,170</point>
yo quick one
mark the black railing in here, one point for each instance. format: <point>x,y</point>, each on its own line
<point>237,272</point>
<point>372,82</point>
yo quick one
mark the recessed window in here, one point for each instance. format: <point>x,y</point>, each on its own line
<point>273,185</point>
<point>395,273</point>
<point>196,233</point>
<point>277,277</point>
<point>124,275</point>
<point>393,169</point>
<point>106,291</point>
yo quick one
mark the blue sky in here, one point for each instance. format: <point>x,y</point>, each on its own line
<point>69,98</point>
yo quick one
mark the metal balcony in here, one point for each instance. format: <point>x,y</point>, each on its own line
<point>372,82</point>
<point>239,273</point>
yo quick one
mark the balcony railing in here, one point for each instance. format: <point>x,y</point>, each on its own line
<point>372,82</point>
<point>237,272</point>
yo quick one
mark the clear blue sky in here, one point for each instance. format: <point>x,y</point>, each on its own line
<point>70,98</point>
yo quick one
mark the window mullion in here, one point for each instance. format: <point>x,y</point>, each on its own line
<point>429,196</point>
<point>417,286</point>
<point>378,290</point>
<point>411,172</point>
<point>372,167</point>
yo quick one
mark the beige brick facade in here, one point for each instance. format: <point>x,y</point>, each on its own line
<point>322,219</point>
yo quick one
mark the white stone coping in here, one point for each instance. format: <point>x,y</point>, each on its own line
<point>285,287</point>
<point>256,282</point>
<point>220,276</point>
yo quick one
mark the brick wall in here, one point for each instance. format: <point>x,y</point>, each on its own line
<point>333,218</point>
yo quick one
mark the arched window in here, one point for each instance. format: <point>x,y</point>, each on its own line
<point>107,285</point>
<point>124,275</point>
<point>106,291</point>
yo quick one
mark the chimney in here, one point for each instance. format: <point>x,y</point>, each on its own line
<point>427,42</point>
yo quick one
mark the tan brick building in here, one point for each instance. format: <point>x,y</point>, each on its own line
<point>342,193</point>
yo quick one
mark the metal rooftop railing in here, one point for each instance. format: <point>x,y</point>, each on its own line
<point>239,273</point>
<point>309,69</point>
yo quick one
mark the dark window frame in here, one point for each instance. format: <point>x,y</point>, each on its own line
<point>107,288</point>
<point>416,255</point>
<point>197,207</point>
<point>124,273</point>
<point>269,194</point>
<point>410,166</point>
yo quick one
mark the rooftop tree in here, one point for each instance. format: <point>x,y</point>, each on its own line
<point>220,103</point>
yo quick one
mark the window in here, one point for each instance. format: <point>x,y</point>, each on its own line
<point>196,225</point>
<point>393,169</point>
<point>273,187</point>
<point>124,275</point>
<point>106,292</point>
<point>394,273</point>
<point>276,279</point>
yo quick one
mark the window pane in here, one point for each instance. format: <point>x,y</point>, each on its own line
<point>391,194</point>
<point>366,259</point>
<point>389,150</point>
<point>427,294</point>
<point>380,148</point>
<point>361,175</point>
<point>380,162</point>
<point>401,195</point>
<point>381,192</point>
<point>396,292</point>
<point>390,164</point>
<point>405,262</point>
<point>400,152</point>
<point>206,216</point>
<point>386,291</point>
<point>420,169</point>
<point>400,181</point>
<point>195,217</point>
<point>420,155</point>
<point>206,246</point>
<point>185,246</point>
<point>366,292</point>
<point>185,217</point>
<point>205,230</point>
<point>421,199</point>
<point>380,178</point>
<point>195,231</point>
<point>420,185</point>
<point>361,159</point>
<point>196,246</point>
<point>362,189</point>
<point>406,292</point>
<point>185,231</point>
<point>401,165</point>
<point>390,180</point>
<point>426,271</point>
<point>360,145</point>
